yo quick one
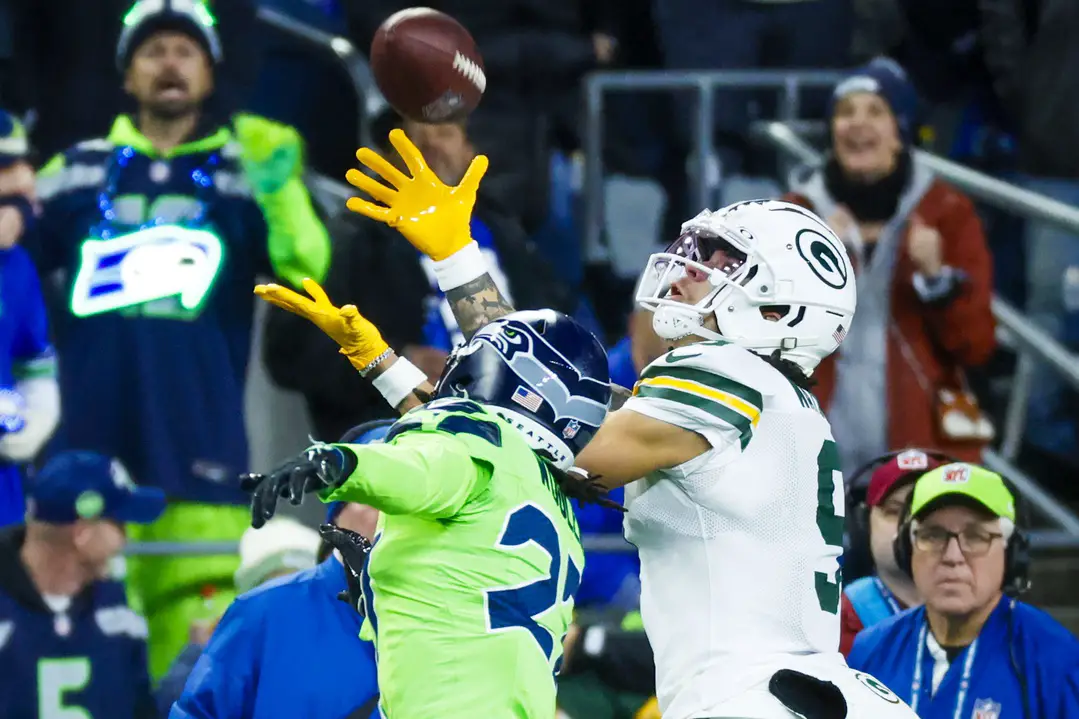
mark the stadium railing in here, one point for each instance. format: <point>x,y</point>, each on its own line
<point>1032,345</point>
<point>368,98</point>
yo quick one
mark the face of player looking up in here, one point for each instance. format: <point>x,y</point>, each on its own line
<point>959,579</point>
<point>169,75</point>
<point>694,286</point>
<point>445,147</point>
<point>865,136</point>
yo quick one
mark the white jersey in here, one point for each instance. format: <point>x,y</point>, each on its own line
<point>740,546</point>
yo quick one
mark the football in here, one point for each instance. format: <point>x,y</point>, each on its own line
<point>427,66</point>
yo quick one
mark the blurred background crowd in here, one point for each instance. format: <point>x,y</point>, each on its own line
<point>231,125</point>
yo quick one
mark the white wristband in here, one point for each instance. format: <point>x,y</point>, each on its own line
<point>463,266</point>
<point>398,381</point>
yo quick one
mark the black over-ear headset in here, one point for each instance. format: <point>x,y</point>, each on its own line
<point>1016,554</point>
<point>858,562</point>
<point>1016,573</point>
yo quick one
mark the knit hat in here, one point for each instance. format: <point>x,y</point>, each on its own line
<point>191,17</point>
<point>281,545</point>
<point>885,77</point>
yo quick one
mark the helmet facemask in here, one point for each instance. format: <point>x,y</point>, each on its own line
<point>717,255</point>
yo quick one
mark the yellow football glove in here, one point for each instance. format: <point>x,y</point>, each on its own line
<point>433,217</point>
<point>360,340</point>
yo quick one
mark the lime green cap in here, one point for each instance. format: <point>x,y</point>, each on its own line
<point>964,480</point>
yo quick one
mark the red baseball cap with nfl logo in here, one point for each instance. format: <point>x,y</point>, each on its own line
<point>904,468</point>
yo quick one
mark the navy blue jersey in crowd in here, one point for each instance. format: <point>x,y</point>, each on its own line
<point>158,256</point>
<point>25,354</point>
<point>1023,665</point>
<point>88,661</point>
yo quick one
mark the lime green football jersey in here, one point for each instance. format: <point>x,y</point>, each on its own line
<point>469,588</point>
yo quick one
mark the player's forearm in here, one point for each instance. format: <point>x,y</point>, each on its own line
<point>477,303</point>
<point>419,395</point>
<point>428,475</point>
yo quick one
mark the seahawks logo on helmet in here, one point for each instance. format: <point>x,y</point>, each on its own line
<point>547,372</point>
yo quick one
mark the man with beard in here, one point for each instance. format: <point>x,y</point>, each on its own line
<point>155,234</point>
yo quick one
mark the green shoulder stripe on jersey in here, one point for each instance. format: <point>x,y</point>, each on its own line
<point>720,411</point>
<point>710,385</point>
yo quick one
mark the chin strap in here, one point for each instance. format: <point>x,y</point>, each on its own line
<point>672,325</point>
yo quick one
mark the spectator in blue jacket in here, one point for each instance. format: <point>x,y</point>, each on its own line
<point>267,660</point>
<point>971,650</point>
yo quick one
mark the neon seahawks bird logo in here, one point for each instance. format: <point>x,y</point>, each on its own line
<point>546,371</point>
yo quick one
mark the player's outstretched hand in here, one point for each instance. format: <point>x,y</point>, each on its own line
<point>358,338</point>
<point>432,216</point>
<point>354,549</point>
<point>318,468</point>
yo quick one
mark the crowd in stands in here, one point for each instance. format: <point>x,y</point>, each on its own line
<point>201,121</point>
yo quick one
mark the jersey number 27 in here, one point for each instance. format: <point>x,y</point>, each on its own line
<point>519,606</point>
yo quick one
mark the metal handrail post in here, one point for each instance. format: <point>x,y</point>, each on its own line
<point>369,100</point>
<point>1032,492</point>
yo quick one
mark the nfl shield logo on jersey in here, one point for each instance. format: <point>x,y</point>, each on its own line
<point>986,709</point>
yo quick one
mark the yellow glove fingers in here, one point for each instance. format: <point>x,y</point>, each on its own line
<point>371,186</point>
<point>317,293</point>
<point>369,209</point>
<point>475,172</point>
<point>409,153</point>
<point>286,299</point>
<point>371,159</point>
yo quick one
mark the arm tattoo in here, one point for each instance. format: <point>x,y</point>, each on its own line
<point>476,303</point>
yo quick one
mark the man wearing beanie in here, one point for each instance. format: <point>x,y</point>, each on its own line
<point>158,231</point>
<point>291,648</point>
<point>924,281</point>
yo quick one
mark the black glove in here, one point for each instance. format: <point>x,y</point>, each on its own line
<point>354,549</point>
<point>320,467</point>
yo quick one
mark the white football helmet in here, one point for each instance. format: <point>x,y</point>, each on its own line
<point>758,255</point>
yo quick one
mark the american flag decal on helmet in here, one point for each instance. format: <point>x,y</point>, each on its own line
<point>839,334</point>
<point>527,399</point>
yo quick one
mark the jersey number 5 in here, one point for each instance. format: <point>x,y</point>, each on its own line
<point>830,526</point>
<point>518,607</point>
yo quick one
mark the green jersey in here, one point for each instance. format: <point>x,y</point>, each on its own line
<point>469,588</point>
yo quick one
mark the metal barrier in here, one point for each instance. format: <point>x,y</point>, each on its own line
<point>787,83</point>
<point>1030,342</point>
<point>610,543</point>
<point>369,100</point>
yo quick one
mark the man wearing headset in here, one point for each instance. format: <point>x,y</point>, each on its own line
<point>874,523</point>
<point>972,650</point>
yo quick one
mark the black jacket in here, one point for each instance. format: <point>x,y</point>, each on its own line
<point>377,270</point>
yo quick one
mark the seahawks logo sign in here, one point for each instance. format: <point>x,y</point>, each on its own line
<point>546,372</point>
<point>825,256</point>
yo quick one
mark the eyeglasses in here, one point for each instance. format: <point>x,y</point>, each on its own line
<point>973,542</point>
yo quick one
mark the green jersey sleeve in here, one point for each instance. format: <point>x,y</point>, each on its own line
<point>421,474</point>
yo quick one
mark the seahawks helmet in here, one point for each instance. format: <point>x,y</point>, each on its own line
<point>542,372</point>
